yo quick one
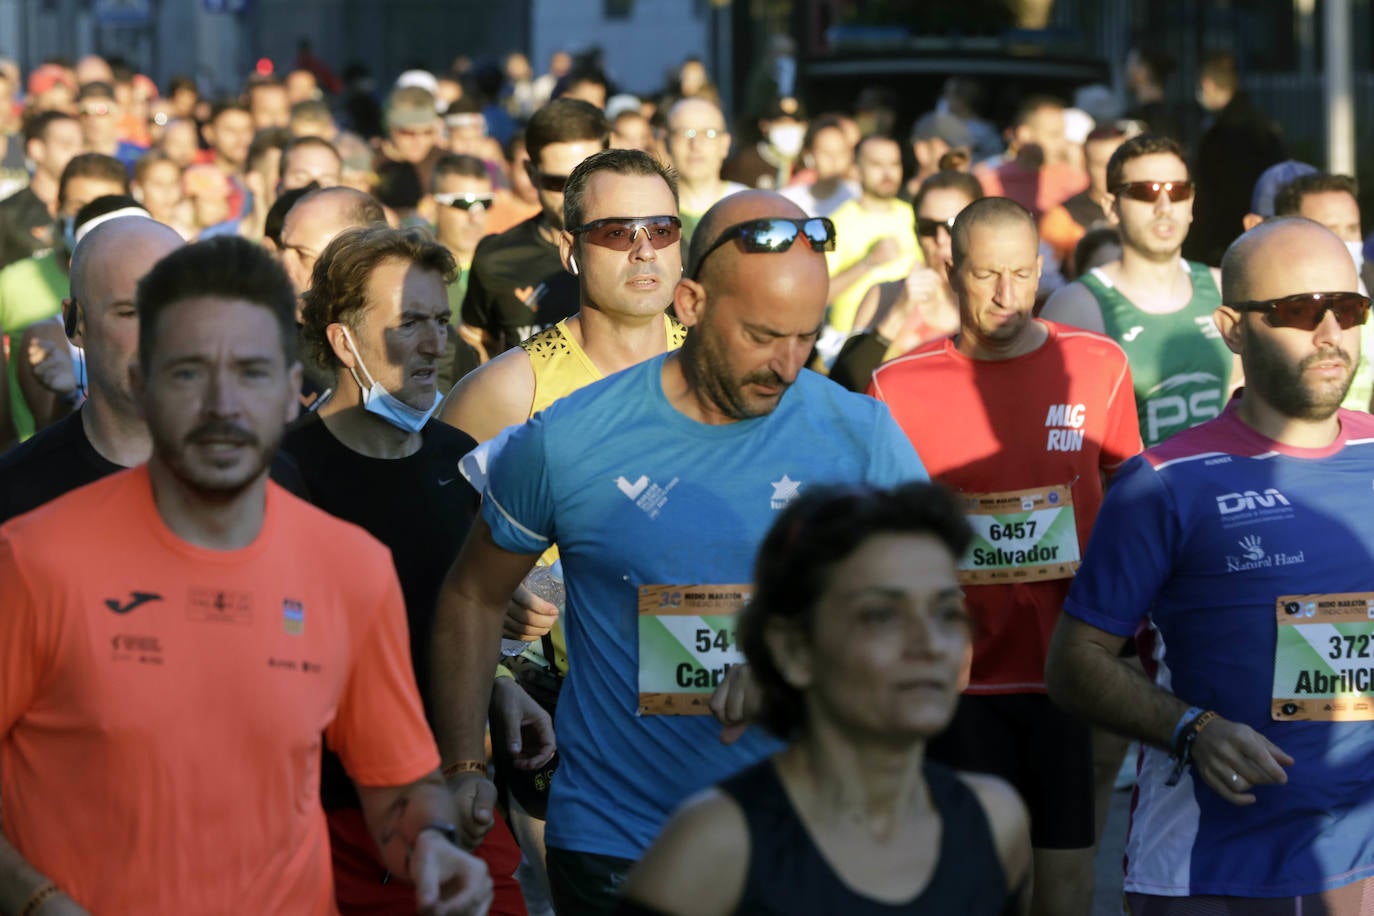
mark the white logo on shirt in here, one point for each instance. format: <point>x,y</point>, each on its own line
<point>1208,327</point>
<point>1255,556</point>
<point>1065,422</point>
<point>1132,334</point>
<point>632,490</point>
<point>644,493</point>
<point>784,491</point>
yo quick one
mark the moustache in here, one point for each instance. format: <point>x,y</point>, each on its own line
<point>1322,356</point>
<point>218,431</point>
<point>766,377</point>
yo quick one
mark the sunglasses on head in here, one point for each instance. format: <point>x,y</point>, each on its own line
<point>619,232</point>
<point>1305,311</point>
<point>775,234</point>
<point>478,202</point>
<point>1149,191</point>
<point>930,228</point>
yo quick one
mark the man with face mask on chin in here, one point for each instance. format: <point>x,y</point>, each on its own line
<point>768,164</point>
<point>376,315</point>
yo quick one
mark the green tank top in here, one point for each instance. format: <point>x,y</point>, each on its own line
<point>1180,364</point>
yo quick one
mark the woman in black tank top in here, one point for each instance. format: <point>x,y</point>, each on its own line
<point>858,644</point>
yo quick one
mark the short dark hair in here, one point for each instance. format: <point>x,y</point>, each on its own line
<point>294,143</point>
<point>618,161</point>
<point>873,138</point>
<point>565,121</point>
<point>1288,201</point>
<point>312,110</point>
<point>1220,68</point>
<point>820,529</point>
<point>264,141</point>
<point>986,210</point>
<point>948,181</point>
<point>92,165</point>
<point>181,81</point>
<point>149,159</point>
<point>458,164</point>
<point>276,215</point>
<point>1160,63</point>
<point>227,267</point>
<point>1033,103</point>
<point>227,105</point>
<point>338,285</point>
<point>36,127</point>
<point>829,121</point>
<point>1134,148</point>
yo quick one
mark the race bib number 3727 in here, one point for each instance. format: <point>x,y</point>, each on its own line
<point>1324,657</point>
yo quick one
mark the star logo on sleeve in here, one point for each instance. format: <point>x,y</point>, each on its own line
<point>784,491</point>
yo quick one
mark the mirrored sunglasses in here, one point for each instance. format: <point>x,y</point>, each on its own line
<point>478,202</point>
<point>773,235</point>
<point>619,232</point>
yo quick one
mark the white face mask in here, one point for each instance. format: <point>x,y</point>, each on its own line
<point>377,400</point>
<point>787,139</point>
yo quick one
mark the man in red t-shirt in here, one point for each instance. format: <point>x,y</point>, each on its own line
<point>1025,419</point>
<point>172,648</point>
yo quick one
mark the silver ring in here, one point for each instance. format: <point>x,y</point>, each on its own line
<point>1235,779</point>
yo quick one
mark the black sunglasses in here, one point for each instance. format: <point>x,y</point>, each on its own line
<point>930,228</point>
<point>1305,311</point>
<point>773,235</point>
<point>1149,191</point>
<point>554,184</point>
<point>619,232</point>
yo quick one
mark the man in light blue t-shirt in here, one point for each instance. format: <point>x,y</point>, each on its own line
<point>658,484</point>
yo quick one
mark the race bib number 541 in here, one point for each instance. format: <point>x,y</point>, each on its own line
<point>686,645</point>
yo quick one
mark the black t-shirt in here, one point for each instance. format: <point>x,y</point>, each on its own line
<point>420,506</point>
<point>60,459</point>
<point>25,226</point>
<point>518,285</point>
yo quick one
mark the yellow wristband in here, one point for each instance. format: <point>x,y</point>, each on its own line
<point>464,766</point>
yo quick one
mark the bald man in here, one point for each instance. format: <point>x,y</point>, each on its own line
<point>1244,545</point>
<point>701,446</point>
<point>107,433</point>
<point>698,144</point>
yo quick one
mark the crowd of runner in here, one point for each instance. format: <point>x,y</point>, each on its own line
<point>514,495</point>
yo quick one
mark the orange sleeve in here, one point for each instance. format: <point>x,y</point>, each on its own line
<point>1061,231</point>
<point>379,731</point>
<point>26,650</point>
<point>1122,438</point>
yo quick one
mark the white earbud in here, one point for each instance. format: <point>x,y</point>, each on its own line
<point>572,265</point>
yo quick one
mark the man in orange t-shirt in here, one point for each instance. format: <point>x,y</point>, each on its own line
<point>1025,419</point>
<point>171,649</point>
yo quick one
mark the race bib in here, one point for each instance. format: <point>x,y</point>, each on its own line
<point>1324,658</point>
<point>1020,536</point>
<point>686,644</point>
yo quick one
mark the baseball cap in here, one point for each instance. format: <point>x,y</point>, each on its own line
<point>411,106</point>
<point>47,76</point>
<point>943,125</point>
<point>1272,180</point>
<point>418,79</point>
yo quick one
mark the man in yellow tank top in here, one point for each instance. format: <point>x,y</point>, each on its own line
<point>623,243</point>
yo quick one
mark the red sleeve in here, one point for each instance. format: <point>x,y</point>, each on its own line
<point>379,731</point>
<point>1121,438</point>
